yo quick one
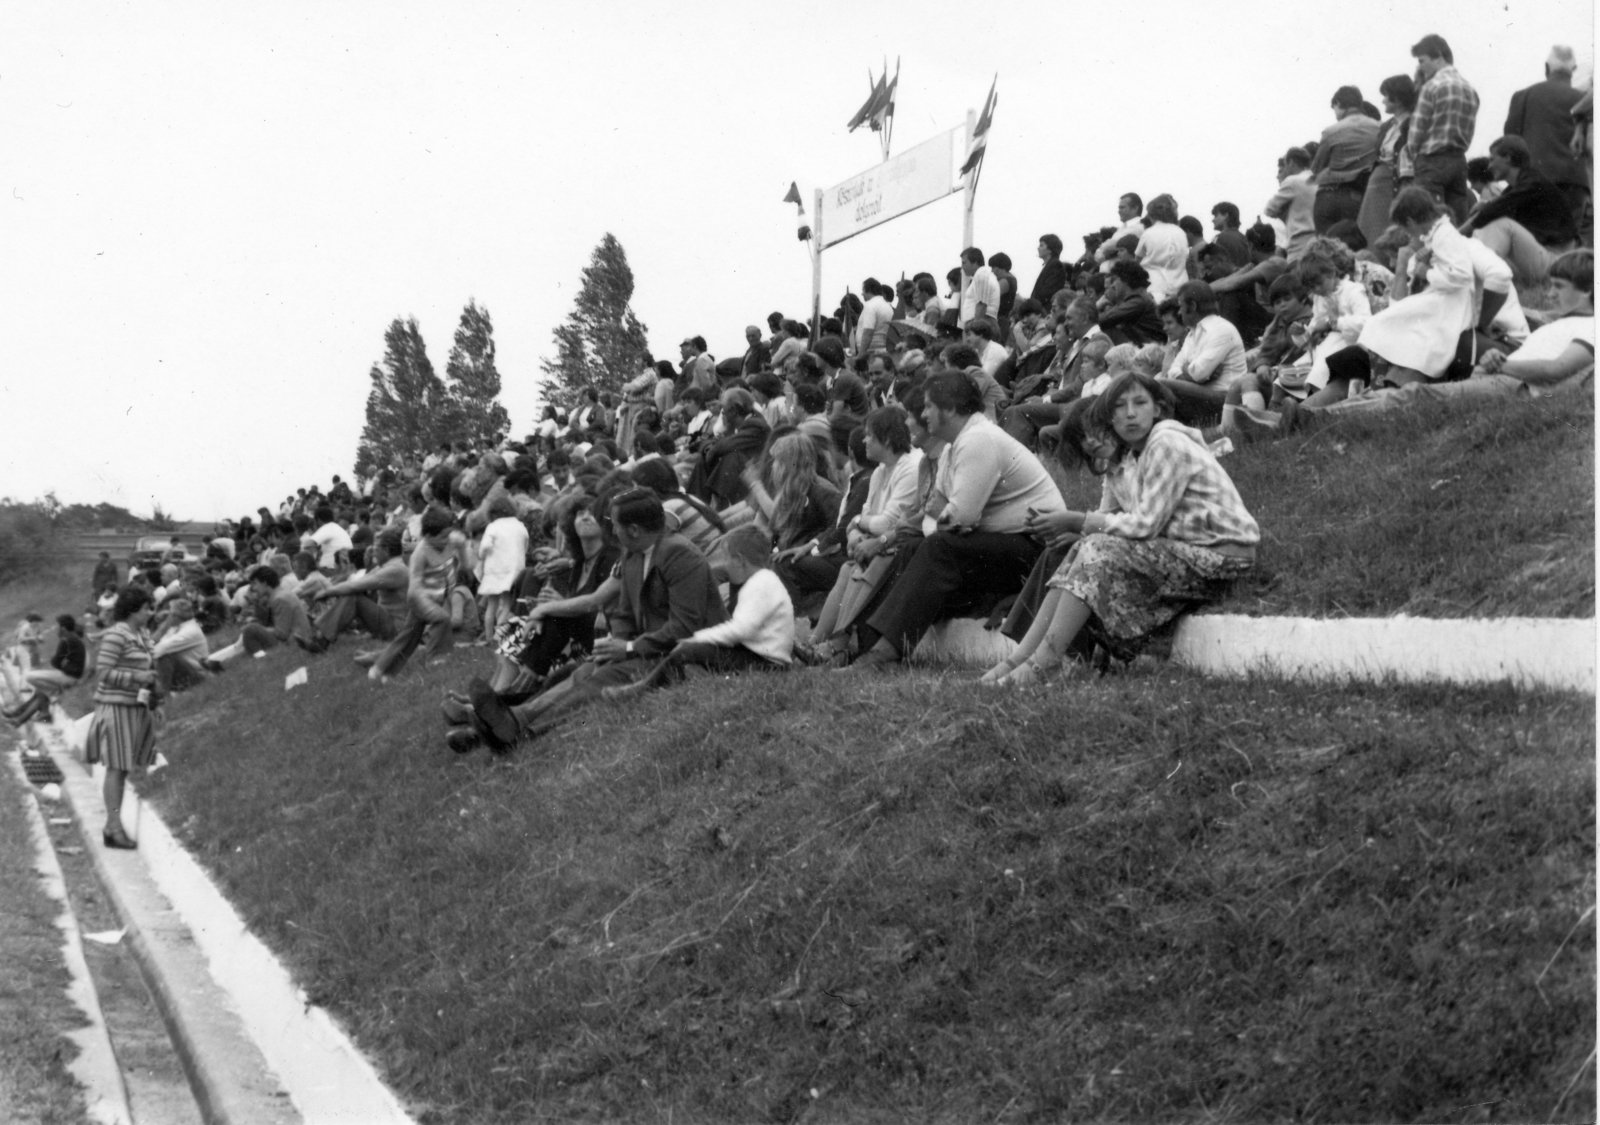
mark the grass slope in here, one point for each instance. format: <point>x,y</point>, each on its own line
<point>903,898</point>
<point>1445,510</point>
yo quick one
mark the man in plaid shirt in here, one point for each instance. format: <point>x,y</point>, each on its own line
<point>1442,125</point>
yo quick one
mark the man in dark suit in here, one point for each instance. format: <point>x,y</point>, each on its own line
<point>1036,403</point>
<point>1542,116</point>
<point>757,356</point>
<point>667,593</point>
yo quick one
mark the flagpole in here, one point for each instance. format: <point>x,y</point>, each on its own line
<point>816,269</point>
<point>966,214</point>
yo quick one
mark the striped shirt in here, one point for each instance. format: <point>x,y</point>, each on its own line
<point>1174,489</point>
<point>124,651</point>
<point>1446,114</point>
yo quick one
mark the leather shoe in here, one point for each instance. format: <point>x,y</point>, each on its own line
<point>118,839</point>
<point>493,718</point>
<point>463,740</point>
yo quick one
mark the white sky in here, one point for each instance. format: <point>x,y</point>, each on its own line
<point>211,212</point>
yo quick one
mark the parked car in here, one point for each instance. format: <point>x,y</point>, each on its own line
<point>153,550</point>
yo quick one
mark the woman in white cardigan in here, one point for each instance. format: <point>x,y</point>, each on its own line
<point>1418,335</point>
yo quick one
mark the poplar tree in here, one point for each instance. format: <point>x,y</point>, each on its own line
<point>407,407</point>
<point>601,344</point>
<point>473,382</point>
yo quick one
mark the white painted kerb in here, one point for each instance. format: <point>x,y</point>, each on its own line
<point>1548,652</point>
<point>1532,652</point>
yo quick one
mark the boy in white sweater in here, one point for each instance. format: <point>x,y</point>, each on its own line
<point>759,635</point>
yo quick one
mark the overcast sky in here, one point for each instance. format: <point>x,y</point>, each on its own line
<point>211,212</point>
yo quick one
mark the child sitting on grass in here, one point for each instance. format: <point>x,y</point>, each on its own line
<point>759,635</point>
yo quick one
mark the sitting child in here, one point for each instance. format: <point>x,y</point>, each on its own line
<point>759,635</point>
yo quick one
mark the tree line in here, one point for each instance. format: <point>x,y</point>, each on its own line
<point>411,410</point>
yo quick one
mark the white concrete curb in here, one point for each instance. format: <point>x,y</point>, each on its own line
<point>1553,653</point>
<point>327,1078</point>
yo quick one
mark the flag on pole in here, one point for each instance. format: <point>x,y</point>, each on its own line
<point>980,132</point>
<point>883,113</point>
<point>802,228</point>
<point>874,98</point>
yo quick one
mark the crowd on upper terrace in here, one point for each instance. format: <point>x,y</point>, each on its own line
<point>900,461</point>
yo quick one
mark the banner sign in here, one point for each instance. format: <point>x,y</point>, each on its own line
<point>913,179</point>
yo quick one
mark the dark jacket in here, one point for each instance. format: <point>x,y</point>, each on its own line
<point>1542,116</point>
<point>678,597</point>
<point>105,574</point>
<point>70,655</point>
<point>1133,320</point>
<point>719,472</point>
<point>1052,280</point>
<point>1537,204</point>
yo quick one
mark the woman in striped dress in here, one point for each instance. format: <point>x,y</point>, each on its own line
<point>122,733</point>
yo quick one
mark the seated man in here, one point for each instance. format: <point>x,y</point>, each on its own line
<point>1128,312</point>
<point>1036,405</point>
<point>286,619</point>
<point>180,651</point>
<point>376,600</point>
<point>1238,307</point>
<point>983,337</point>
<point>987,486</point>
<point>1210,361</point>
<point>668,594</point>
<point>759,635</point>
<point>1530,223</point>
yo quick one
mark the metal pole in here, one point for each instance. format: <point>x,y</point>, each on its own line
<point>966,209</point>
<point>970,195</point>
<point>816,267</point>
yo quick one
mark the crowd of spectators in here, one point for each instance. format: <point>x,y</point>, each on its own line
<point>851,482</point>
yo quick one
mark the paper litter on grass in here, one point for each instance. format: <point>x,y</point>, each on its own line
<point>161,763</point>
<point>61,820</point>
<point>51,792</point>
<point>295,679</point>
<point>106,937</point>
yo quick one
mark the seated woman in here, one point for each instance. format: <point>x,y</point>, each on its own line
<point>891,500</point>
<point>798,505</point>
<point>1417,336</point>
<point>1171,532</point>
<point>554,612</point>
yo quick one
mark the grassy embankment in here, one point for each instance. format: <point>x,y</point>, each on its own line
<point>903,898</point>
<point>1443,511</point>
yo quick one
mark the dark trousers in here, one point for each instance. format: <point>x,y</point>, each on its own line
<point>1334,204</point>
<point>351,608</point>
<point>411,634</point>
<point>716,658</point>
<point>1195,404</point>
<point>1444,175</point>
<point>1025,420</point>
<point>555,634</point>
<point>948,566</point>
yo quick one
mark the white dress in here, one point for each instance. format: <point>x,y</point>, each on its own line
<point>1164,253</point>
<point>1423,330</point>
<point>501,555</point>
